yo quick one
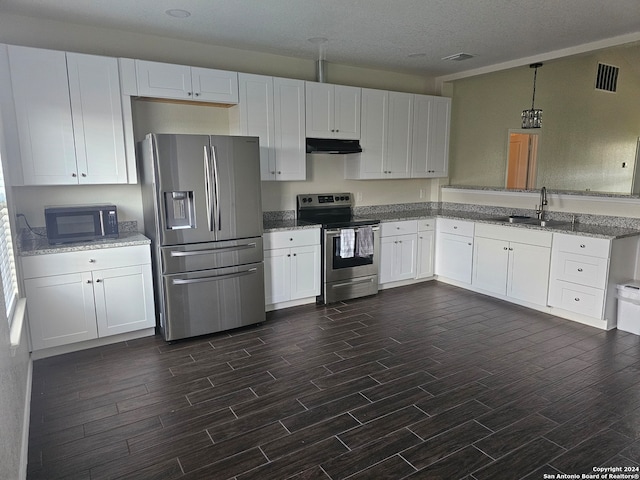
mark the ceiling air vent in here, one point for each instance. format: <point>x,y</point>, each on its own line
<point>607,77</point>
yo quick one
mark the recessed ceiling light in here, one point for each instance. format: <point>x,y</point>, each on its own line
<point>458,57</point>
<point>178,13</point>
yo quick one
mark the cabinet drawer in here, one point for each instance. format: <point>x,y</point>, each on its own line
<point>85,260</point>
<point>398,228</point>
<point>457,227</point>
<point>291,238</point>
<point>580,269</point>
<point>426,225</point>
<point>576,298</point>
<point>595,247</point>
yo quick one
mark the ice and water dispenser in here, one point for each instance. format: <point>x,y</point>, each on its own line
<point>179,210</point>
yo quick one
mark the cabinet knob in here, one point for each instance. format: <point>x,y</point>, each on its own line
<point>197,94</point>
<point>74,175</point>
<point>291,239</point>
<point>288,254</point>
<point>469,243</point>
<point>332,130</point>
<point>582,245</point>
<point>273,172</point>
<point>88,281</point>
<point>92,260</point>
<point>189,93</point>
<point>579,269</point>
<point>84,174</point>
<point>510,249</point>
<point>577,299</point>
<point>455,227</point>
<point>295,254</point>
<point>98,280</point>
<point>504,248</point>
<point>279,172</point>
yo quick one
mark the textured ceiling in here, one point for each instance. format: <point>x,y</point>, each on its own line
<point>372,33</point>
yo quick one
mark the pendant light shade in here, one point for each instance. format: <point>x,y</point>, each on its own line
<point>532,118</point>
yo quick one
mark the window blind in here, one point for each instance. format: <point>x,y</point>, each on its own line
<point>7,258</point>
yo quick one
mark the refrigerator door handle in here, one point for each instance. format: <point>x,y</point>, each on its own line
<point>189,281</point>
<point>218,219</point>
<point>213,250</point>
<point>207,188</point>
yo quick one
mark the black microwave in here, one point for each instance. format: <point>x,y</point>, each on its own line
<point>81,223</point>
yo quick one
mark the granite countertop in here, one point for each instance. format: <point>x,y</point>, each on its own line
<point>584,229</point>
<point>33,245</point>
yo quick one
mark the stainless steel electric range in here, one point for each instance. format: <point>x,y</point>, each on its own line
<point>350,245</point>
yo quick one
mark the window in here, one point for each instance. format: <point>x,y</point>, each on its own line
<point>7,258</point>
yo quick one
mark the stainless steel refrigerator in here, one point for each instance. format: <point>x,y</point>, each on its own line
<point>203,212</point>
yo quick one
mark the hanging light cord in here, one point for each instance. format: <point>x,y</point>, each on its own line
<point>533,98</point>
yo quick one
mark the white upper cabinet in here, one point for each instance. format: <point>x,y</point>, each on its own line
<point>431,120</point>
<point>181,82</point>
<point>386,136</point>
<point>273,110</point>
<point>332,111</point>
<point>68,117</point>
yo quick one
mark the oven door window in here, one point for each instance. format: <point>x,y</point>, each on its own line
<point>355,261</point>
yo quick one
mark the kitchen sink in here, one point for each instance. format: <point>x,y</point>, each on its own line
<point>527,220</point>
<point>513,219</point>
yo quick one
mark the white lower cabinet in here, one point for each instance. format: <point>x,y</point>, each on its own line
<point>291,266</point>
<point>584,274</point>
<point>77,296</point>
<point>454,249</point>
<point>398,250</point>
<point>426,248</point>
<point>512,262</point>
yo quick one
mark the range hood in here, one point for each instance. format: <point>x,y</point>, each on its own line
<point>332,145</point>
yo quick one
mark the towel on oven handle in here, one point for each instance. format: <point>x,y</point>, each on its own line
<point>347,242</point>
<point>364,242</point>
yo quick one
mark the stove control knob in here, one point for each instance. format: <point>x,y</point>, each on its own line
<point>347,198</point>
<point>309,200</point>
<point>304,200</point>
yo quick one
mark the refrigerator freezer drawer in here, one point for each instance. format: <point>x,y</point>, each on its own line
<point>205,256</point>
<point>212,301</point>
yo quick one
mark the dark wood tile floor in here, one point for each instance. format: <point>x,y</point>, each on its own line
<point>421,382</point>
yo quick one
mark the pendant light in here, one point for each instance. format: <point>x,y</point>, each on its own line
<point>532,118</point>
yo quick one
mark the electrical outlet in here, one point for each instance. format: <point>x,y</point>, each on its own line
<point>624,164</point>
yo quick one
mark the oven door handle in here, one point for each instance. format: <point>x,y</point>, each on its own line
<point>336,231</point>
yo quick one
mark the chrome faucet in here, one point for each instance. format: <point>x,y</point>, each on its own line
<point>543,202</point>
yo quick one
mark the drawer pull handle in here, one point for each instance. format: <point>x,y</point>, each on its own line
<point>455,228</point>
<point>582,245</point>
<point>577,299</point>
<point>579,269</point>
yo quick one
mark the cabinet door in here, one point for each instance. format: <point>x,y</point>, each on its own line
<point>124,299</point>
<point>210,85</point>
<point>454,255</point>
<point>289,129</point>
<point>430,143</point>
<point>164,80</point>
<point>319,101</point>
<point>529,273</point>
<point>387,259</point>
<point>256,118</point>
<point>96,107</point>
<point>43,114</point>
<point>347,112</point>
<point>438,159</point>
<point>305,272</point>
<point>424,267</point>
<point>400,121</point>
<point>373,138</point>
<point>405,264</point>
<point>61,309</point>
<point>277,275</point>
<point>490,261</point>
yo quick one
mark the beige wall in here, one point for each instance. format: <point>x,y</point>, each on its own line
<point>586,134</point>
<point>325,174</point>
